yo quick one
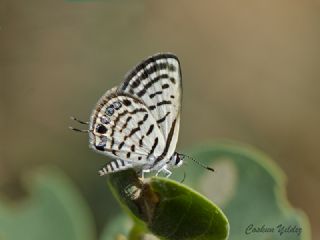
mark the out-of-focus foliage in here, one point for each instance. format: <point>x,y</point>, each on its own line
<point>246,184</point>
<point>250,189</point>
<point>53,210</point>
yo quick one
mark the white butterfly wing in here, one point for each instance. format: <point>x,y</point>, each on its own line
<point>122,127</point>
<point>157,82</point>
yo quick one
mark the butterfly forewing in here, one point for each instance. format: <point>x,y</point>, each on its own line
<point>157,82</point>
<point>123,127</point>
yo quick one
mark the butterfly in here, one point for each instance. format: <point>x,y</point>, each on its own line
<point>137,123</point>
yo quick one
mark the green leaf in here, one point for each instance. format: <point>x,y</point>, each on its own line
<point>53,210</point>
<point>250,188</point>
<point>169,209</point>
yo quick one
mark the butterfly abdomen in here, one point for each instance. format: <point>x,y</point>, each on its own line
<point>114,166</point>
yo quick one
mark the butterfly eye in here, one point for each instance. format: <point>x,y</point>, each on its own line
<point>110,110</point>
<point>101,129</point>
<point>117,105</point>
<point>105,120</point>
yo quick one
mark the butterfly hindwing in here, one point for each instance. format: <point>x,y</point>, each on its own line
<point>123,127</point>
<point>157,82</point>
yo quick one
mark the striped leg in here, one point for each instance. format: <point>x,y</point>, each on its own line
<point>114,166</point>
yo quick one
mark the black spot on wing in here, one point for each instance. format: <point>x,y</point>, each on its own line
<point>120,145</point>
<point>154,94</point>
<point>141,141</point>
<point>136,83</point>
<point>145,117</point>
<point>172,68</point>
<point>126,102</point>
<point>133,148</point>
<point>173,80</point>
<point>163,118</point>
<point>133,131</point>
<point>150,129</point>
<point>165,86</point>
<point>120,115</point>
<point>155,143</point>
<point>126,123</point>
<point>164,102</point>
<point>112,139</point>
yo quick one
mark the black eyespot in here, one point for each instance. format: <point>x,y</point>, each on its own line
<point>101,129</point>
<point>110,110</point>
<point>105,120</point>
<point>100,146</point>
<point>127,102</point>
<point>177,160</point>
<point>117,105</point>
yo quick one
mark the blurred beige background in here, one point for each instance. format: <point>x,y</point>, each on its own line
<point>251,72</point>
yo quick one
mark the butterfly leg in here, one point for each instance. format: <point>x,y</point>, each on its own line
<point>164,169</point>
<point>159,171</point>
<point>168,172</point>
<point>144,171</point>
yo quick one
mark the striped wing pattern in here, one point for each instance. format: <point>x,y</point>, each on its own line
<point>157,82</point>
<point>137,123</point>
<point>123,127</point>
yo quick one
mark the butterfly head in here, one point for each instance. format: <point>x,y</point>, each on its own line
<point>176,160</point>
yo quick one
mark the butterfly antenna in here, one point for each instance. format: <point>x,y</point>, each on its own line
<point>79,130</point>
<point>79,121</point>
<point>200,164</point>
